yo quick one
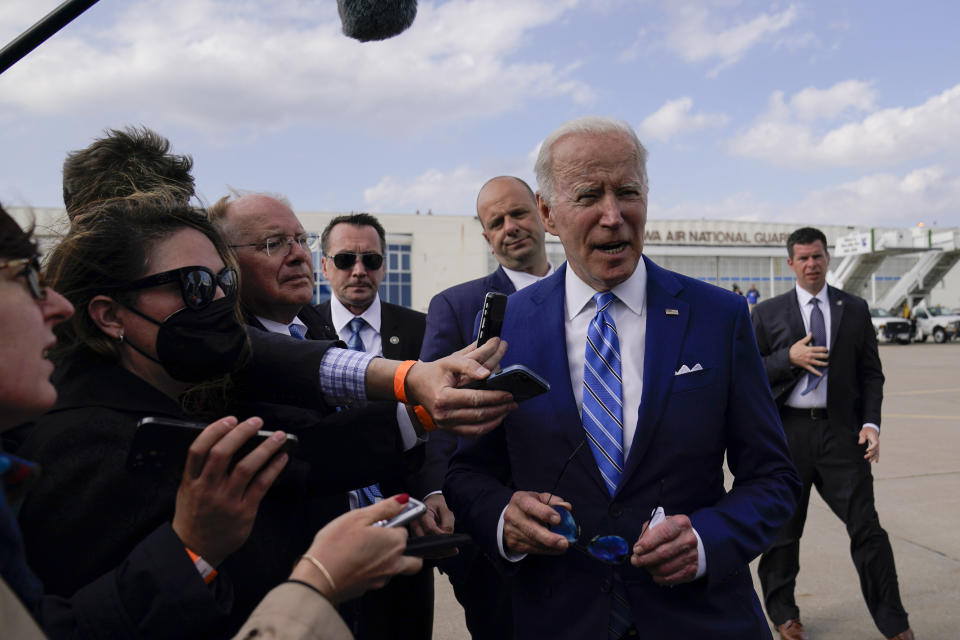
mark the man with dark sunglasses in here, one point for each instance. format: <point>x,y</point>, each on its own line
<point>353,248</point>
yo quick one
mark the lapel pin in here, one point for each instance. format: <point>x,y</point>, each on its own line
<point>672,312</point>
<point>394,340</point>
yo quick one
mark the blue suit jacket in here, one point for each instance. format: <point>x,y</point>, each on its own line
<point>686,424</point>
<point>450,321</point>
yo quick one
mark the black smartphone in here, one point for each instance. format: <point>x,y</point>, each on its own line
<point>491,318</point>
<point>439,543</point>
<point>414,510</point>
<point>160,444</point>
<point>519,380</point>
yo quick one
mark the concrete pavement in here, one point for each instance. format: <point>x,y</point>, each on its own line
<point>917,486</point>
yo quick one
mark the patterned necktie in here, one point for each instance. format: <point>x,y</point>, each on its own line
<point>603,422</point>
<point>297,332</point>
<point>356,326</point>
<point>819,330</point>
<point>603,393</point>
<point>366,495</point>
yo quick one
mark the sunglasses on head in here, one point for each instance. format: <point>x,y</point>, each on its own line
<point>31,270</point>
<point>198,285</point>
<point>371,261</point>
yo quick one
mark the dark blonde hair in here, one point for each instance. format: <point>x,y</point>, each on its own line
<point>108,247</point>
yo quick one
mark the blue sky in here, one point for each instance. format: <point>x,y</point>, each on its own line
<point>813,112</point>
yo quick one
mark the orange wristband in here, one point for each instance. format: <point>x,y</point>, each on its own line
<point>424,418</point>
<point>206,570</point>
<point>400,379</point>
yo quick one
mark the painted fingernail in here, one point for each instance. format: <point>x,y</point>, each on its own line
<point>403,498</point>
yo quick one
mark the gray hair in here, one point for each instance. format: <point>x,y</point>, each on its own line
<point>591,125</point>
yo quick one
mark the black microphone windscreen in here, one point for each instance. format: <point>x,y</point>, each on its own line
<point>366,20</point>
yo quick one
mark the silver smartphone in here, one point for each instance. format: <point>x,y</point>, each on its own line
<point>413,511</point>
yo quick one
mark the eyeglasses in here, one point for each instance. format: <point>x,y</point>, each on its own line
<point>198,285</point>
<point>608,549</point>
<point>283,245</point>
<point>371,261</point>
<point>31,271</point>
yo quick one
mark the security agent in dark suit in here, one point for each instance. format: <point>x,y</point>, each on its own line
<point>354,247</point>
<point>820,353</point>
<point>507,210</point>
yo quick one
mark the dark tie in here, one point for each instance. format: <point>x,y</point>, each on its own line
<point>367,495</point>
<point>819,330</point>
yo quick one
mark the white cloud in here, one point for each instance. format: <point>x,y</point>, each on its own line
<point>696,35</point>
<point>216,64</point>
<point>786,136</point>
<point>674,118</point>
<point>815,104</point>
<point>437,191</point>
<point>926,194</point>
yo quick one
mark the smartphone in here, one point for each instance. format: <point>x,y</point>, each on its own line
<point>491,318</point>
<point>413,511</point>
<point>518,379</point>
<point>439,543</point>
<point>161,444</point>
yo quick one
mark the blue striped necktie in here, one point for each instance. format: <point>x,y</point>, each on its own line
<point>603,422</point>
<point>366,495</point>
<point>603,393</point>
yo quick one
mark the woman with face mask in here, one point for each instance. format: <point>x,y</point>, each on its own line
<point>157,590</point>
<point>156,331</point>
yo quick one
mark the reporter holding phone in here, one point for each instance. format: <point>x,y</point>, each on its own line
<point>146,594</point>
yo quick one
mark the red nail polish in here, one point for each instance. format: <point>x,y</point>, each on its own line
<point>403,498</point>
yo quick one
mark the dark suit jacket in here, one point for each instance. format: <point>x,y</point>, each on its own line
<point>855,380</point>
<point>401,335</point>
<point>685,427</point>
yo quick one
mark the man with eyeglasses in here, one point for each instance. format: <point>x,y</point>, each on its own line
<point>274,254</point>
<point>655,381</point>
<point>354,248</point>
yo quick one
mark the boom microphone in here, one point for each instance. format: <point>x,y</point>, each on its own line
<point>366,20</point>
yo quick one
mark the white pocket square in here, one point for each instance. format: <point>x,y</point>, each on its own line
<point>683,370</point>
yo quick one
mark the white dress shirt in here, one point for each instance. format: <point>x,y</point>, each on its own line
<point>818,397</point>
<point>521,279</point>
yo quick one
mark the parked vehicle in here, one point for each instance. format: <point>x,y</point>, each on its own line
<point>935,321</point>
<point>891,328</point>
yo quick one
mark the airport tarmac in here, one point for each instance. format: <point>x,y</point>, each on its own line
<point>917,487</point>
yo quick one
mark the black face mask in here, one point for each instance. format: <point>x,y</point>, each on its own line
<point>194,345</point>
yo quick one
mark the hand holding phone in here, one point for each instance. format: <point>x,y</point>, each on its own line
<point>518,379</point>
<point>414,510</point>
<point>160,444</point>
<point>441,544</point>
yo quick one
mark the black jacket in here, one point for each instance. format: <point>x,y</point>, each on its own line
<point>87,511</point>
<point>855,381</point>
